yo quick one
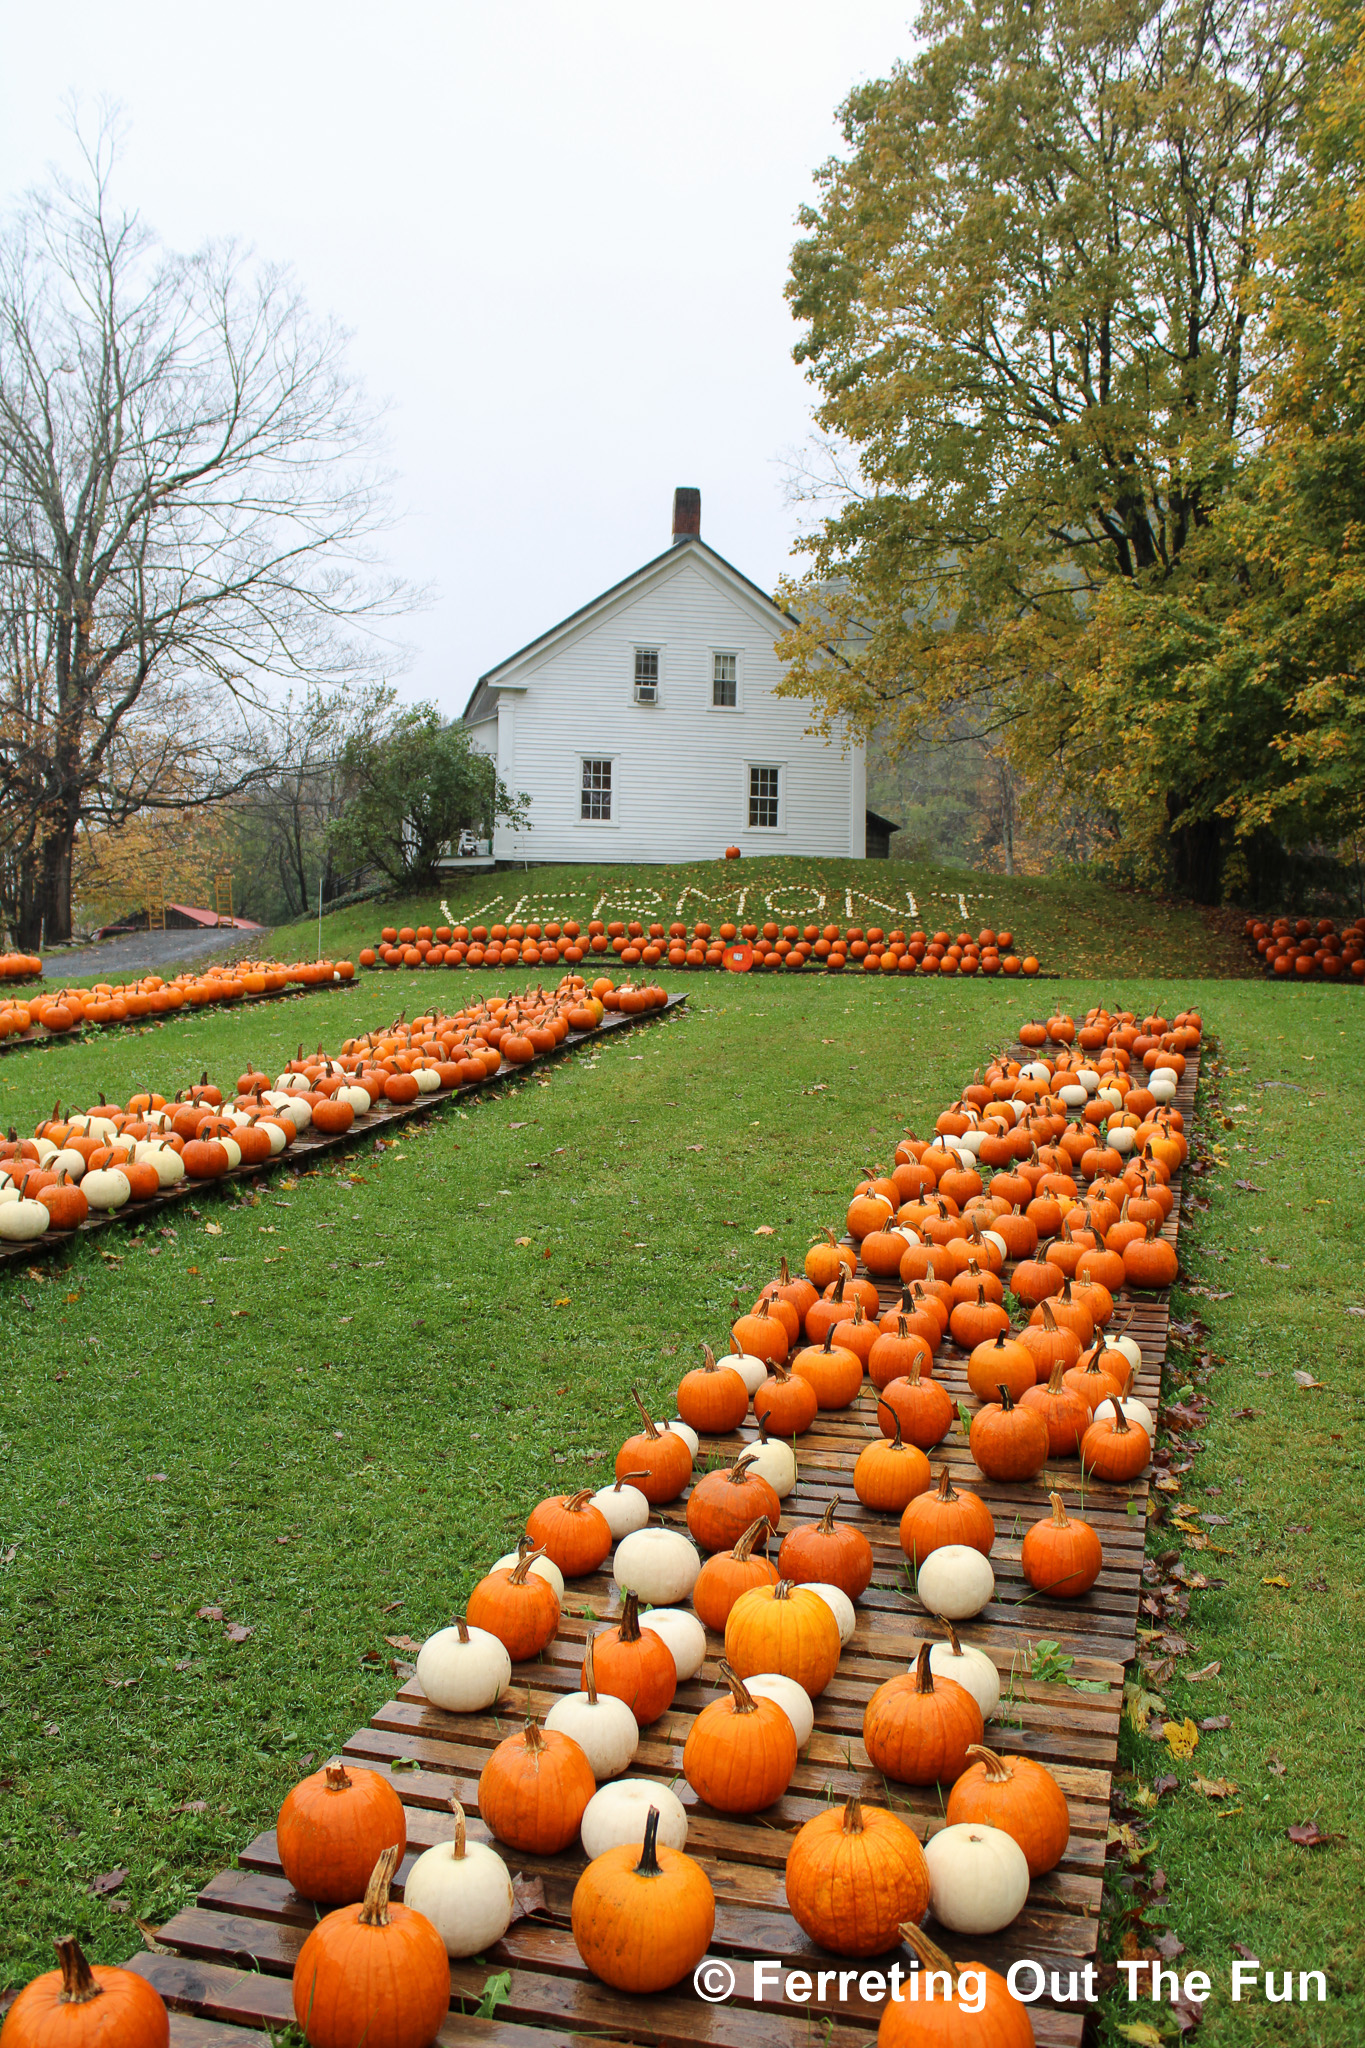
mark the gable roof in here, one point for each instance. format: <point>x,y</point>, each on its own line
<point>483,698</point>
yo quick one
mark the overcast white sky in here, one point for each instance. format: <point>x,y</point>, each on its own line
<point>557,229</point>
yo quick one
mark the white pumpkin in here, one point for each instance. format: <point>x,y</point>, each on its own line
<point>106,1188</point>
<point>1036,1070</point>
<point>753,1371</point>
<point>427,1079</point>
<point>358,1097</point>
<point>8,1191</point>
<point>233,1150</point>
<point>624,1507</point>
<point>839,1604</point>
<point>1074,1094</point>
<point>45,1149</point>
<point>684,1634</point>
<point>793,1699</point>
<point>1127,1345</point>
<point>603,1727</point>
<point>465,1889</point>
<point>616,1814</point>
<point>463,1669</point>
<point>1121,1138</point>
<point>22,1220</point>
<point>686,1432</point>
<point>1162,1084</point>
<point>102,1128</point>
<point>773,1458</point>
<point>660,1566</point>
<point>994,1237</point>
<point>978,1877</point>
<point>170,1167</point>
<point>956,1581</point>
<point>1089,1078</point>
<point>69,1162</point>
<point>1136,1412</point>
<point>969,1667</point>
<point>545,1566</point>
<point>278,1137</point>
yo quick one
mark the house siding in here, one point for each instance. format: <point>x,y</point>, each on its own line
<point>680,768</point>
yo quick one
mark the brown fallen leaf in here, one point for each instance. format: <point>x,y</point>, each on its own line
<point>402,1643</point>
<point>191,1806</point>
<point>1212,1722</point>
<point>1214,1788</point>
<point>110,1881</point>
<point>1274,1766</point>
<point>1305,1379</point>
<point>149,1938</point>
<point>1309,1835</point>
<point>1168,1782</point>
<point>528,1896</point>
<point>237,1632</point>
<point>1276,1581</point>
<point>209,1613</point>
<point>764,1230</point>
<point>1205,1671</point>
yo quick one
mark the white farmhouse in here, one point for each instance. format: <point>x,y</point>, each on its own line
<point>646,726</point>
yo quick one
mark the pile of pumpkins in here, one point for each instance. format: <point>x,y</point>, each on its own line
<point>1307,948</point>
<point>677,945</point>
<point>103,1157</point>
<point>64,1010</point>
<point>20,966</point>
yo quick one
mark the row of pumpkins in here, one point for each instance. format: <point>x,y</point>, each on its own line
<point>700,945</point>
<point>857,1878</point>
<point>20,966</point>
<point>61,1010</point>
<point>104,1157</point>
<point>1308,947</point>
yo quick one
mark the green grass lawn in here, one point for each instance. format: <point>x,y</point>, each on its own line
<point>324,1410</point>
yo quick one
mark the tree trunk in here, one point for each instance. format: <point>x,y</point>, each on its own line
<point>54,882</point>
<point>1196,855</point>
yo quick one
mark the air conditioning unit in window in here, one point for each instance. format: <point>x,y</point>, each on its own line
<point>646,693</point>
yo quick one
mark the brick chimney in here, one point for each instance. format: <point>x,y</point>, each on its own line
<point>686,514</point>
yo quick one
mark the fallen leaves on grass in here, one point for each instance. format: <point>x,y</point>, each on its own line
<point>237,1631</point>
<point>1276,1581</point>
<point>1305,1379</point>
<point>110,1881</point>
<point>764,1230</point>
<point>1274,1766</point>
<point>1214,1788</point>
<point>1181,1737</point>
<point>1205,1671</point>
<point>209,1613</point>
<point>213,1229</point>
<point>403,1643</point>
<point>1213,1722</point>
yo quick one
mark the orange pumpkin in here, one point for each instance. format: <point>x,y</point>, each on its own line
<point>762,1335</point>
<point>1114,1448</point>
<point>946,1516</point>
<point>740,1752</point>
<point>945,2022</point>
<point>786,1404</point>
<point>643,1918</point>
<point>854,1873</point>
<point>835,1375</point>
<point>712,1399</point>
<point>1150,1262</point>
<point>818,1553</point>
<point>1018,1795</point>
<point>1061,1555</point>
<point>534,1788</point>
<point>892,1354</point>
<point>1064,1411</point>
<point>76,2006</point>
<point>888,1476</point>
<point>571,1532</point>
<point>373,1975</point>
<point>517,1606</point>
<point>825,1261</point>
<point>918,1730</point>
<point>787,1629</point>
<point>1047,1342</point>
<point>1001,1362</point>
<point>658,1458</point>
<point>332,1828</point>
<point>1008,1441</point>
<point>723,1504</point>
<point>729,1573</point>
<point>923,1409</point>
<point>635,1665</point>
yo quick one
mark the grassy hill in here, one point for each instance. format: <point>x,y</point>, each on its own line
<point>1074,925</point>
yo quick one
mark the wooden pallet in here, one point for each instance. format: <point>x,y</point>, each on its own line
<point>233,1951</point>
<point>311,1144</point>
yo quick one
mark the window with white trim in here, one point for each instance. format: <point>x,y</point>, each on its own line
<point>764,790</point>
<point>724,682</point>
<point>646,675</point>
<point>596,801</point>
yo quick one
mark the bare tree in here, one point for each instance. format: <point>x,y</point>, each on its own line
<point>188,497</point>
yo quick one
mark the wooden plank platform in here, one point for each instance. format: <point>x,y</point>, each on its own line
<point>233,1951</point>
<point>311,1144</point>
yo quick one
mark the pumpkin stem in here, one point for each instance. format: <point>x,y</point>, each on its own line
<point>1054,1378</point>
<point>739,1471</point>
<point>463,1626</point>
<point>826,1522</point>
<point>629,1626</point>
<point>786,1279</point>
<point>576,1502</point>
<point>590,1674</point>
<point>924,1677</point>
<point>708,1358</point>
<point>853,1816</point>
<point>953,1642</point>
<point>650,1430</point>
<point>1006,1398</point>
<point>525,1559</point>
<point>997,1767</point>
<point>828,1345</point>
<point>896,1444</point>
<point>626,1477</point>
<point>78,1981</point>
<point>760,1528</point>
<point>337,1779</point>
<point>784,1589</point>
<point>458,1845</point>
<point>649,1864</point>
<point>1059,1515</point>
<point>945,1486</point>
<point>741,1697</point>
<point>999,1335</point>
<point>375,1911</point>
